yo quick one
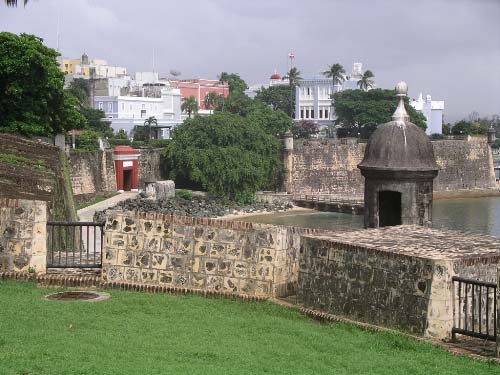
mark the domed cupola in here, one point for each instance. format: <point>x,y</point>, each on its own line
<point>399,167</point>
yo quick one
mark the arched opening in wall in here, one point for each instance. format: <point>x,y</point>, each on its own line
<point>389,208</point>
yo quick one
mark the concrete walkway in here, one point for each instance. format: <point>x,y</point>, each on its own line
<point>87,213</point>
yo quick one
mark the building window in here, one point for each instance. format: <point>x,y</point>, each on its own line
<point>308,91</point>
<point>307,113</point>
<point>326,113</point>
<point>110,107</point>
<point>101,106</point>
<point>312,113</point>
<point>320,113</point>
<point>301,113</point>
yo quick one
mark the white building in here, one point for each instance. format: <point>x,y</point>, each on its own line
<point>313,96</point>
<point>433,112</point>
<point>126,112</point>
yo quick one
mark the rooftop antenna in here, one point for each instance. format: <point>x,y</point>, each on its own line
<point>58,36</point>
<point>154,67</point>
<point>291,56</point>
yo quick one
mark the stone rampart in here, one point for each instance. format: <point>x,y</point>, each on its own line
<point>398,277</point>
<point>93,172</point>
<point>201,253</point>
<point>329,166</point>
<point>23,235</point>
<point>34,170</point>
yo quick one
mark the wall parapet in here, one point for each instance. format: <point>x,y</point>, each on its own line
<point>201,253</point>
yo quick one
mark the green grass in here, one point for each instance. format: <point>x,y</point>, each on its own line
<point>139,333</point>
<point>96,200</point>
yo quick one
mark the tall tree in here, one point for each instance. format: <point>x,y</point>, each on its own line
<point>337,73</point>
<point>148,124</point>
<point>225,154</point>
<point>278,97</point>
<point>211,100</point>
<point>189,105</point>
<point>32,99</point>
<point>366,82</point>
<point>293,77</point>
<point>236,84</point>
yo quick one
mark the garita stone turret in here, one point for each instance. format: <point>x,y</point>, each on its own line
<point>399,168</point>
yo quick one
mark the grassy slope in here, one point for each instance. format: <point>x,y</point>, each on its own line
<point>138,333</point>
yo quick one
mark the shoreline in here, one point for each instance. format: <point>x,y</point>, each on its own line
<point>466,193</point>
<point>240,215</point>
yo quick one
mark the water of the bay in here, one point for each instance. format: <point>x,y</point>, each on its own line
<point>478,215</point>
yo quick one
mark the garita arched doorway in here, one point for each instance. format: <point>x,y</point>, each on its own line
<point>389,208</point>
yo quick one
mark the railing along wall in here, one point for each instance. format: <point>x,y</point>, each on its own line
<point>475,309</point>
<point>74,244</point>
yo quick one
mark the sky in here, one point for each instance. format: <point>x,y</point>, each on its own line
<point>449,49</point>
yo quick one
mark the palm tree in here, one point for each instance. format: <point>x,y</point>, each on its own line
<point>366,82</point>
<point>293,77</point>
<point>148,124</point>
<point>189,105</point>
<point>211,100</point>
<point>337,73</point>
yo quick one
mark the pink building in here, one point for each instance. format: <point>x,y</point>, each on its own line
<point>199,88</point>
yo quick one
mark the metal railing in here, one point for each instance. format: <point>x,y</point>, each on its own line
<point>329,199</point>
<point>74,244</point>
<point>474,309</point>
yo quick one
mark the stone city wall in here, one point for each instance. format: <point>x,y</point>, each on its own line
<point>23,235</point>
<point>93,172</point>
<point>329,166</point>
<point>369,286</point>
<point>34,170</point>
<point>201,253</point>
<point>401,281</point>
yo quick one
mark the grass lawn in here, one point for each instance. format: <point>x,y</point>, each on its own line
<point>139,333</point>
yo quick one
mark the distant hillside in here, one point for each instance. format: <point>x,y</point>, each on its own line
<point>38,171</point>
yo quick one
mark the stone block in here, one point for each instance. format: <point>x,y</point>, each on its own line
<point>164,189</point>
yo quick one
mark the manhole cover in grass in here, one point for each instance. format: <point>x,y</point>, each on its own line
<point>78,295</point>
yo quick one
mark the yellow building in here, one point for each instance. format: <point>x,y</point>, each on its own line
<point>68,65</point>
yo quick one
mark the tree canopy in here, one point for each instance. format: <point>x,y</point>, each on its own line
<point>33,99</point>
<point>356,108</point>
<point>225,153</point>
<point>236,84</point>
<point>278,97</point>
<point>189,105</point>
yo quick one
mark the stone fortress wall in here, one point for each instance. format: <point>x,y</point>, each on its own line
<point>329,166</point>
<point>201,253</point>
<point>398,277</point>
<point>23,235</point>
<point>93,172</point>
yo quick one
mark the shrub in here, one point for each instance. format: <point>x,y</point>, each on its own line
<point>184,194</point>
